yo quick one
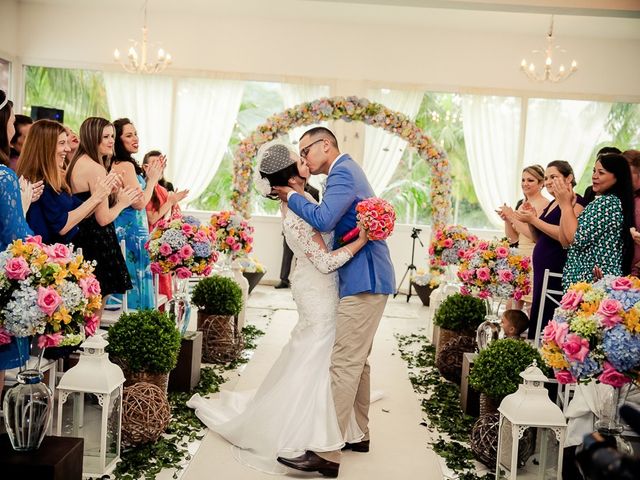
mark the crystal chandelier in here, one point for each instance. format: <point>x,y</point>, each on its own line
<point>547,74</point>
<point>137,62</point>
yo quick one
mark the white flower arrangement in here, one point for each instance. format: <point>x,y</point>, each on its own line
<point>251,265</point>
<point>424,278</point>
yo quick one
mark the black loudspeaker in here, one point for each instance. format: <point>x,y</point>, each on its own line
<point>56,114</point>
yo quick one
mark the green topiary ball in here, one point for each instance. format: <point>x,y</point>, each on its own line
<point>496,370</point>
<point>218,295</point>
<point>145,341</point>
<point>460,313</point>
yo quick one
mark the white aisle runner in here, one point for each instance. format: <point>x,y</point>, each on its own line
<point>399,447</point>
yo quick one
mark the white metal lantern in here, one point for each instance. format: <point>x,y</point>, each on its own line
<point>530,408</point>
<point>90,406</point>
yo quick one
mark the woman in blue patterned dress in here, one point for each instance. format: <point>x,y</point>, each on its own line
<point>12,226</point>
<point>600,237</point>
<point>131,224</point>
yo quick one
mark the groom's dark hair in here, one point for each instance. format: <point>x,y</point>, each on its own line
<point>312,132</point>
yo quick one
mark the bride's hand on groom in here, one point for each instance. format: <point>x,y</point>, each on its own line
<point>282,192</point>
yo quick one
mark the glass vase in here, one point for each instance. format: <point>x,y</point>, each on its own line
<point>179,307</point>
<point>609,401</point>
<point>452,285</point>
<point>223,265</point>
<point>490,329</point>
<point>27,410</point>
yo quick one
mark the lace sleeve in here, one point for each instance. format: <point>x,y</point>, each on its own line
<point>304,239</point>
<point>12,222</point>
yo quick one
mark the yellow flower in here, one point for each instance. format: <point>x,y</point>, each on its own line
<point>581,287</point>
<point>552,355</point>
<point>95,302</point>
<point>632,320</point>
<point>589,308</point>
<point>40,260</point>
<point>62,315</point>
<point>60,275</point>
<point>74,268</point>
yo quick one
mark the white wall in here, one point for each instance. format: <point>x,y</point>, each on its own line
<point>8,28</point>
<point>460,54</point>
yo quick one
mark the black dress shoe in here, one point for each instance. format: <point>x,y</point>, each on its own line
<point>362,446</point>
<point>283,284</point>
<point>310,462</point>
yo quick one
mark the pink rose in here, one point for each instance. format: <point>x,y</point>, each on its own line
<point>91,324</point>
<point>165,249</point>
<point>609,307</point>
<point>464,290</point>
<point>505,275</point>
<point>610,322</point>
<point>36,239</point>
<point>156,268</point>
<point>200,236</point>
<point>187,229</point>
<point>90,286</point>
<point>576,347</point>
<point>611,376</point>
<point>555,332</point>
<point>571,300</point>
<point>161,224</point>
<point>50,340</point>
<point>524,263</point>
<point>465,275</point>
<point>175,258</point>
<point>207,271</point>
<point>564,377</point>
<point>448,243</point>
<point>5,337</point>
<point>58,253</point>
<point>517,295</point>
<point>235,247</point>
<point>183,273</point>
<point>186,251</point>
<point>17,268</point>
<point>483,245</point>
<point>621,283</point>
<point>432,250</point>
<point>230,240</point>
<point>483,274</point>
<point>48,300</point>
<point>484,294</point>
<point>502,252</point>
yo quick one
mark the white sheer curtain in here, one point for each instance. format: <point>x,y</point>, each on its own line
<point>491,133</point>
<point>383,150</point>
<point>563,130</point>
<point>146,101</point>
<point>206,112</point>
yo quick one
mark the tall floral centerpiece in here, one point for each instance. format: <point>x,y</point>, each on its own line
<point>50,291</point>
<point>183,247</point>
<point>234,235</point>
<point>447,248</point>
<point>494,272</point>
<point>595,335</point>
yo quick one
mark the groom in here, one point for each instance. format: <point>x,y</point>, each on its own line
<point>365,283</point>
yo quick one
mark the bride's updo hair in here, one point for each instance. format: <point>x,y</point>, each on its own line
<point>277,163</point>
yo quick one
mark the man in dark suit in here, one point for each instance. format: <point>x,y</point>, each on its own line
<point>589,196</point>
<point>287,254</point>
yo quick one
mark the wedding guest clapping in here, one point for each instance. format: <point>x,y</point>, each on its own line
<point>548,252</point>
<point>601,236</point>
<point>633,157</point>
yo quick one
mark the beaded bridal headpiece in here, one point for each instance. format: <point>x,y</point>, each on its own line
<point>272,157</point>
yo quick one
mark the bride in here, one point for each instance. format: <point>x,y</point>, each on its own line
<point>292,411</point>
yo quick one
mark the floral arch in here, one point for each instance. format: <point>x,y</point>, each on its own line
<point>347,109</point>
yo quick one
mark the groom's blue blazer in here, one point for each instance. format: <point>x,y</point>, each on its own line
<point>371,270</point>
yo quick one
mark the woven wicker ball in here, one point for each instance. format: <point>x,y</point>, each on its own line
<point>145,413</point>
<point>449,360</point>
<point>221,340</point>
<point>484,441</point>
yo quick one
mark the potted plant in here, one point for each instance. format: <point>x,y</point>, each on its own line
<point>252,270</point>
<point>145,344</point>
<point>458,315</point>
<point>424,283</point>
<point>496,370</point>
<point>219,302</point>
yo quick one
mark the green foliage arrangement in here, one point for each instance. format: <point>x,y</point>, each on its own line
<point>460,313</point>
<point>218,295</point>
<point>496,371</point>
<point>145,341</point>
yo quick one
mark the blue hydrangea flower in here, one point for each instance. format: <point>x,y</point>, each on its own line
<point>202,249</point>
<point>585,369</point>
<point>622,348</point>
<point>174,238</point>
<point>628,298</point>
<point>191,220</point>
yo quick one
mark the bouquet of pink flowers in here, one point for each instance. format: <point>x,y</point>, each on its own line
<point>182,245</point>
<point>377,216</point>
<point>595,333</point>
<point>448,245</point>
<point>493,269</point>
<point>47,290</point>
<point>234,235</point>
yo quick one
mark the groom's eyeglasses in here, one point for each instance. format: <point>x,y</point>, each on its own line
<point>305,151</point>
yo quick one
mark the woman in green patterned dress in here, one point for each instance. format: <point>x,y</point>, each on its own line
<point>599,239</point>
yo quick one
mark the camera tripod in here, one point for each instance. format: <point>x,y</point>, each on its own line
<point>411,268</point>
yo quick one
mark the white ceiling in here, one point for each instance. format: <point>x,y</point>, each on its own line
<point>617,19</point>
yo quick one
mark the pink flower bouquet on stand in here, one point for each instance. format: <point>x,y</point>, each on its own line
<point>182,246</point>
<point>377,216</point>
<point>448,246</point>
<point>47,290</point>
<point>234,235</point>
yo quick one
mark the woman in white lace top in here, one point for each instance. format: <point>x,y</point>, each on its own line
<point>292,411</point>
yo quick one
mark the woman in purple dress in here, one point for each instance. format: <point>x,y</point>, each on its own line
<point>548,252</point>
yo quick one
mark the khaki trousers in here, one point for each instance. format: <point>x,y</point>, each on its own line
<point>357,321</point>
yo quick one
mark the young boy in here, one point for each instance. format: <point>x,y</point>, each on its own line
<point>514,322</point>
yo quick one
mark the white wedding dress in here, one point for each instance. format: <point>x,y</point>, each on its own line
<point>292,410</point>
